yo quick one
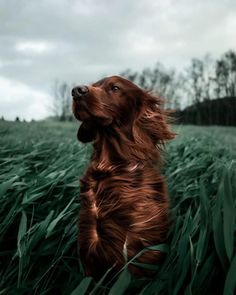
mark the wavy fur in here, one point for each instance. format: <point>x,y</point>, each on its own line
<point>124,203</point>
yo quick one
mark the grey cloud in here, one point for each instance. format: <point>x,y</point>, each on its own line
<point>90,38</point>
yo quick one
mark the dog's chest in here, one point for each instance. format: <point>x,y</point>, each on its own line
<point>112,183</point>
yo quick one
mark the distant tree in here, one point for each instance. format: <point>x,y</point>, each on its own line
<point>222,77</point>
<point>225,74</point>
<point>2,118</point>
<point>219,111</point>
<point>207,78</point>
<point>194,80</point>
<point>62,101</point>
<point>17,119</point>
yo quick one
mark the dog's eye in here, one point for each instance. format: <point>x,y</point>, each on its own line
<point>115,88</point>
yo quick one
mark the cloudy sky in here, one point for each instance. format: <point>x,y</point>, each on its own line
<point>80,41</point>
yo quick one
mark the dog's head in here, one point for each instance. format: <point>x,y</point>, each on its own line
<point>117,102</point>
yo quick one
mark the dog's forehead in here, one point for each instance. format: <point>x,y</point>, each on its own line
<point>112,80</point>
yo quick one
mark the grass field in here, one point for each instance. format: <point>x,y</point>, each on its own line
<point>40,164</point>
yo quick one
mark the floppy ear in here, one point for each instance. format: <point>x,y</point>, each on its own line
<point>154,120</point>
<point>87,132</point>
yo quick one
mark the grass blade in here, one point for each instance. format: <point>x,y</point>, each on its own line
<point>230,282</point>
<point>121,285</point>
<point>83,286</point>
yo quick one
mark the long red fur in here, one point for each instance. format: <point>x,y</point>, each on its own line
<point>124,202</point>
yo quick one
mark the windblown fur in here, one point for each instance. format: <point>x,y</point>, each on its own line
<point>124,203</point>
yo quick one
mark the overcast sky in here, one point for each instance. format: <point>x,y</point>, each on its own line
<point>80,41</point>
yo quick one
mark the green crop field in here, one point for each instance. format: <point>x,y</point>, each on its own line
<point>40,164</point>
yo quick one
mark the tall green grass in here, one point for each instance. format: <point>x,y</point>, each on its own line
<point>40,164</point>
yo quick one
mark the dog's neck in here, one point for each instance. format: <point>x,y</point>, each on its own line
<point>114,148</point>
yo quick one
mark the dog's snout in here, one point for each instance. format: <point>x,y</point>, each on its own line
<point>79,91</point>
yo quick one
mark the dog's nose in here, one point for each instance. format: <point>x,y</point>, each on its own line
<point>79,91</point>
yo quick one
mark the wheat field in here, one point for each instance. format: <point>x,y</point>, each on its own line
<point>40,166</point>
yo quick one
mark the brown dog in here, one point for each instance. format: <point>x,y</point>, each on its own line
<point>124,204</point>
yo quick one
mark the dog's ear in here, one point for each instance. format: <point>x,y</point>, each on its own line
<point>87,132</point>
<point>155,119</point>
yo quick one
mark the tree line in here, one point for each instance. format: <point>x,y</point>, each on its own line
<point>189,91</point>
